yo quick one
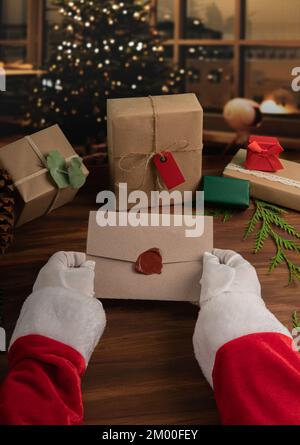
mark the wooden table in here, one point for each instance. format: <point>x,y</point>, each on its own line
<point>143,370</point>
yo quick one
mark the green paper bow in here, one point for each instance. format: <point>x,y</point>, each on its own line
<point>65,176</point>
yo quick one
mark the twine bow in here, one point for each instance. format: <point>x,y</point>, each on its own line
<point>176,147</point>
<point>146,158</point>
<point>44,169</point>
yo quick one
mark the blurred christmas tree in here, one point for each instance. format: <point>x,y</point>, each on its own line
<point>104,49</point>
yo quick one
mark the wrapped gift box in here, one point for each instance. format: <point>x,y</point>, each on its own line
<point>281,188</point>
<point>140,128</point>
<point>263,154</point>
<point>227,192</point>
<point>24,161</point>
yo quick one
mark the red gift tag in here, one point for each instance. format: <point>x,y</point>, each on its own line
<point>168,169</point>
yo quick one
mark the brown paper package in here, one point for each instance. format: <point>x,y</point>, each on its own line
<point>39,193</point>
<point>267,190</point>
<point>116,249</point>
<point>131,139</point>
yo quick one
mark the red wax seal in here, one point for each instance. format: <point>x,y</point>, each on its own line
<point>149,262</point>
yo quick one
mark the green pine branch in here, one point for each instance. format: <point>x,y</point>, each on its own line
<point>271,218</point>
<point>261,236</point>
<point>225,213</point>
<point>252,223</point>
<point>295,320</point>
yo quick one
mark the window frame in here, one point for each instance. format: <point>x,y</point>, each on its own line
<point>34,39</point>
<point>239,42</point>
<point>215,128</point>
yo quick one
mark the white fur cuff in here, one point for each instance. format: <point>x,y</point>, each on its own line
<point>64,315</point>
<point>226,317</point>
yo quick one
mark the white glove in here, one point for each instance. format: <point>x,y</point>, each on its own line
<point>61,306</point>
<point>230,306</point>
<point>69,270</point>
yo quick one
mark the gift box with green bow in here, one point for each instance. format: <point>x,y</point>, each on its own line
<point>46,172</point>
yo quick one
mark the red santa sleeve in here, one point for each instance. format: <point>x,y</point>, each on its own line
<point>256,380</point>
<point>250,360</point>
<point>246,354</point>
<point>54,338</point>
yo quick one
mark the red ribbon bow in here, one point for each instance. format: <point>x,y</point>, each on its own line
<point>263,154</point>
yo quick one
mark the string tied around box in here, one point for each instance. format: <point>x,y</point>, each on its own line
<point>146,158</point>
<point>44,170</point>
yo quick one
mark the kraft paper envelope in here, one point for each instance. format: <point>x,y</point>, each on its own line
<point>116,249</point>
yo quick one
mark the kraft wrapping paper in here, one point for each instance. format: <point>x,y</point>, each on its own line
<point>267,190</point>
<point>133,131</point>
<point>37,193</point>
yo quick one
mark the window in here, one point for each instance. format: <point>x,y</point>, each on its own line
<point>209,19</point>
<point>52,17</point>
<point>235,48</point>
<point>21,24</point>
<point>239,47</point>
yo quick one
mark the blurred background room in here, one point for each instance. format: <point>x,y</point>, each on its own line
<point>219,49</point>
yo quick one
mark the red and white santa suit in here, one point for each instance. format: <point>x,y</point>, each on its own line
<point>59,326</point>
<point>245,353</point>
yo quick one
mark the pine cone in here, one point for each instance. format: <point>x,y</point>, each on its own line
<point>7,207</point>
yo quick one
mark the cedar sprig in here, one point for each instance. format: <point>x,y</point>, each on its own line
<point>295,320</point>
<point>270,218</point>
<point>225,213</point>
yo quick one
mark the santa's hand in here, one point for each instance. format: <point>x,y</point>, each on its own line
<point>61,306</point>
<point>227,271</point>
<point>69,270</point>
<point>230,306</point>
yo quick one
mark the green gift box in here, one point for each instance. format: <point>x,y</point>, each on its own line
<point>227,192</point>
